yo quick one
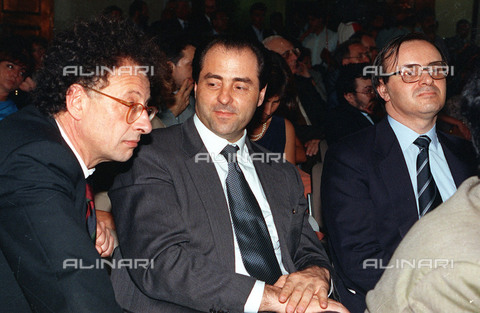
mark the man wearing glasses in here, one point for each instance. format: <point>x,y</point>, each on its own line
<point>91,106</point>
<point>357,103</point>
<point>379,181</point>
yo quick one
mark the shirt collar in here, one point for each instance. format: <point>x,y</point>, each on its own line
<point>215,144</point>
<point>407,136</point>
<point>86,172</point>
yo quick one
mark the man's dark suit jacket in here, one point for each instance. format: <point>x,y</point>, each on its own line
<point>343,121</point>
<point>368,203</point>
<point>170,208</point>
<point>42,222</point>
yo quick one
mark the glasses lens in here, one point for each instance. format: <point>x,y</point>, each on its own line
<point>151,111</point>
<point>438,71</point>
<point>135,111</point>
<point>411,73</point>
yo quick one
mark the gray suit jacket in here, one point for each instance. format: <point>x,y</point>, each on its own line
<point>170,208</point>
<point>436,268</point>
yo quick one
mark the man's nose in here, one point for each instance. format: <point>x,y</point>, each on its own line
<point>225,95</point>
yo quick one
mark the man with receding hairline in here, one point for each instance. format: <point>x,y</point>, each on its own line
<point>377,182</point>
<point>226,231</point>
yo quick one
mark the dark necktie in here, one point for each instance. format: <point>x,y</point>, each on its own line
<point>91,218</point>
<point>427,191</point>
<point>251,231</point>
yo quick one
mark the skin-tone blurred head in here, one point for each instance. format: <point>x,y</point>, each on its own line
<point>285,49</point>
<point>371,46</point>
<point>258,17</point>
<point>183,68</point>
<point>358,54</point>
<point>363,98</point>
<point>417,104</point>
<point>12,74</point>
<point>228,91</point>
<point>210,7</point>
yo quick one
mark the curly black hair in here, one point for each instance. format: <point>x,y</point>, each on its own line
<point>89,45</point>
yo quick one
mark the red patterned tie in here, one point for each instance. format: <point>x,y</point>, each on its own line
<point>91,218</point>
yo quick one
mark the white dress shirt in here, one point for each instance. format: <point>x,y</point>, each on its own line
<point>214,145</point>
<point>86,172</point>
<point>438,163</point>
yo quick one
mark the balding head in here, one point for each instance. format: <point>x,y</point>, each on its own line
<point>283,47</point>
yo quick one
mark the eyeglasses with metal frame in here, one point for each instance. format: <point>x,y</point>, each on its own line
<point>135,109</point>
<point>412,73</point>
<point>368,91</point>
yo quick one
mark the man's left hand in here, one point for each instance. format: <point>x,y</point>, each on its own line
<point>105,242</point>
<point>300,287</point>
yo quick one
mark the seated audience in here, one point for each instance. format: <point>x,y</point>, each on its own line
<point>357,103</point>
<point>436,266</point>
<point>318,38</point>
<point>225,231</point>
<point>371,193</point>
<point>273,132</point>
<point>179,52</point>
<point>51,242</point>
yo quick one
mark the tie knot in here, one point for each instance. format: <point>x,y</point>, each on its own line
<point>422,142</point>
<point>230,153</point>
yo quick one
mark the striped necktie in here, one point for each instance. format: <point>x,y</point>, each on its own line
<point>427,191</point>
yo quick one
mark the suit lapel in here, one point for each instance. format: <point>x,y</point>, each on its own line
<point>394,173</point>
<point>270,178</point>
<point>458,164</point>
<point>210,191</point>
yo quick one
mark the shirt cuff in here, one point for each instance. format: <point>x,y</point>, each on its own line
<point>255,298</point>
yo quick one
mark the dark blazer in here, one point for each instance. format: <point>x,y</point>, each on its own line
<point>42,221</point>
<point>344,120</point>
<point>170,208</point>
<point>368,203</point>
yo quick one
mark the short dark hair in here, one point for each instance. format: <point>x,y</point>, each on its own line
<point>462,22</point>
<point>470,108</point>
<point>346,80</point>
<point>16,49</point>
<point>260,6</point>
<point>343,50</point>
<point>88,45</point>
<point>390,52</point>
<point>173,47</point>
<point>279,78</point>
<point>231,42</point>
<point>136,6</point>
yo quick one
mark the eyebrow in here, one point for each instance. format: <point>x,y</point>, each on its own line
<point>236,79</point>
<point>410,64</point>
<point>138,94</point>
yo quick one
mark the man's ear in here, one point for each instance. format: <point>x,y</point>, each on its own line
<point>262,95</point>
<point>171,64</point>
<point>349,97</point>
<point>382,90</point>
<point>75,99</point>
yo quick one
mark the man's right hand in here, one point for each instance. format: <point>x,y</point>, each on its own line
<point>182,97</point>
<point>270,303</point>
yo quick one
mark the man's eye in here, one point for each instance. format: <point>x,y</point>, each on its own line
<point>409,72</point>
<point>10,66</point>
<point>241,87</point>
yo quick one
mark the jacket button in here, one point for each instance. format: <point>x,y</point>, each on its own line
<point>294,211</point>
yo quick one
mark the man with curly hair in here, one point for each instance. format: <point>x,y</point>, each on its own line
<point>90,106</point>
